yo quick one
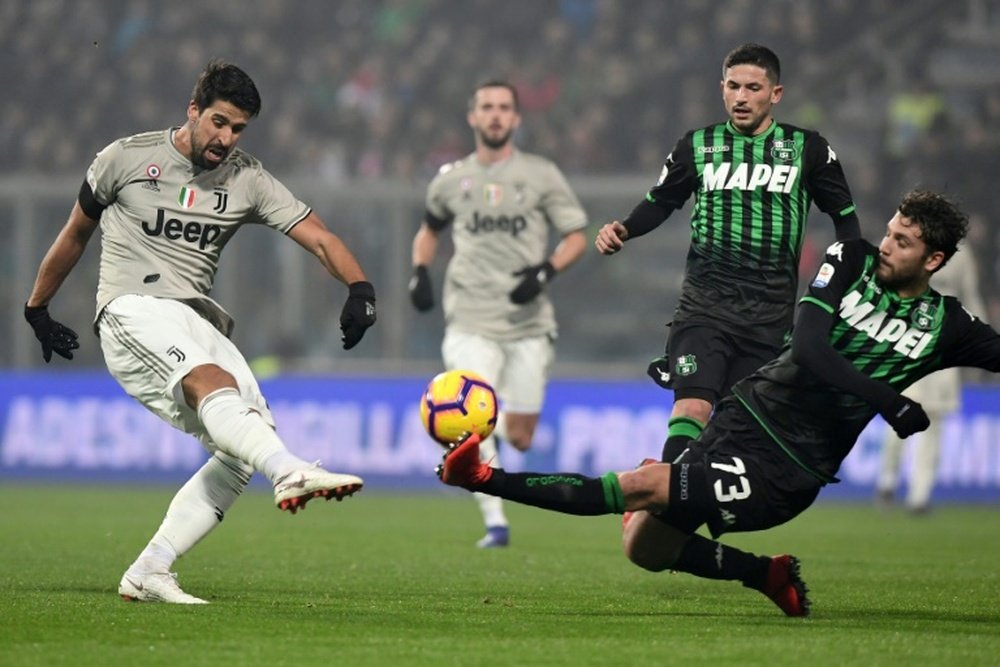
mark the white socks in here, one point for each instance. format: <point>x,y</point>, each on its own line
<point>238,429</point>
<point>195,510</point>
<point>491,507</point>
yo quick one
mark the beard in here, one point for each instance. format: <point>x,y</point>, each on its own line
<point>897,280</point>
<point>495,142</point>
<point>198,153</point>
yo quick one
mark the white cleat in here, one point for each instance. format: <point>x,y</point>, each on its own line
<point>154,587</point>
<point>294,490</point>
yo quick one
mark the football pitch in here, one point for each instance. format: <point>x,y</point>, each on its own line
<point>383,579</point>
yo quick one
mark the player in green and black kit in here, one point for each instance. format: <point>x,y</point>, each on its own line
<point>754,180</point>
<point>869,326</point>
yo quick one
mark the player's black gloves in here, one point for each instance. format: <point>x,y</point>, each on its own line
<point>358,313</point>
<point>53,336</point>
<point>421,293</point>
<point>905,416</point>
<point>532,283</point>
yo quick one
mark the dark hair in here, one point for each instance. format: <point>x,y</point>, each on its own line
<point>495,83</point>
<point>942,224</point>
<point>226,82</point>
<point>754,54</point>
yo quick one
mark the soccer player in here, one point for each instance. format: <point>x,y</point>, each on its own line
<point>869,326</point>
<point>167,202</point>
<point>499,321</point>
<point>753,180</point>
<point>940,394</point>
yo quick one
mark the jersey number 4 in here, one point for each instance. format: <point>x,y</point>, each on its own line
<point>734,491</point>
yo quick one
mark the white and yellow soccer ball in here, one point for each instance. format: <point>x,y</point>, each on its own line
<point>457,403</point>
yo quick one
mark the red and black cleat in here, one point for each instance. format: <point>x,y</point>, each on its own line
<point>785,587</point>
<point>462,467</point>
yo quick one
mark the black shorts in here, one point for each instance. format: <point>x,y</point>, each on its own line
<point>705,362</point>
<point>736,478</point>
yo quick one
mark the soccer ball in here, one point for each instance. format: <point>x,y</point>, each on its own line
<point>456,403</point>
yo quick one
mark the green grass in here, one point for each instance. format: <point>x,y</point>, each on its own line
<point>394,580</point>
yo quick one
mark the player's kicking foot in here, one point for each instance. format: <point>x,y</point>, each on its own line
<point>154,587</point>
<point>785,587</point>
<point>462,466</point>
<point>295,489</point>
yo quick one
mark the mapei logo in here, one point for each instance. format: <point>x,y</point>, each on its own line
<point>174,229</point>
<point>486,224</point>
<point>779,178</point>
<point>908,341</point>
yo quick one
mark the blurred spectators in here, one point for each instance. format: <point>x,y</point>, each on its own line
<point>366,89</point>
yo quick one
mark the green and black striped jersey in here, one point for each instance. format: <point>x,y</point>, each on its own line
<point>752,200</point>
<point>887,337</point>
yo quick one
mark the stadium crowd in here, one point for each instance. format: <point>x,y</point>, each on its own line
<point>365,91</point>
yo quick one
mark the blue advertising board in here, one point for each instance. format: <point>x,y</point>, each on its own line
<point>82,427</point>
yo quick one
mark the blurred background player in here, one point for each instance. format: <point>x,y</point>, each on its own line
<point>939,393</point>
<point>499,322</point>
<point>167,202</point>
<point>753,180</point>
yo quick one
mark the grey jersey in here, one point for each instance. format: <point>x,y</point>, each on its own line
<point>167,220</point>
<point>500,216</point>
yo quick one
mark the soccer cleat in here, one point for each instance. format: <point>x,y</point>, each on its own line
<point>154,587</point>
<point>785,587</point>
<point>462,467</point>
<point>496,536</point>
<point>295,489</point>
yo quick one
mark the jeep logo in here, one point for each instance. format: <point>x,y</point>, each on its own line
<point>174,229</point>
<point>487,223</point>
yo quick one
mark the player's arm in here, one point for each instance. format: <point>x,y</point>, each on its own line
<point>827,185</point>
<point>62,256</point>
<point>811,347</point>
<point>423,252</point>
<point>359,311</point>
<point>969,341</point>
<point>569,249</point>
<point>678,179</point>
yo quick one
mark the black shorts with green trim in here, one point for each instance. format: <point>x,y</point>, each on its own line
<point>736,478</point>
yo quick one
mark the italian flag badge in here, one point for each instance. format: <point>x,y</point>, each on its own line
<point>186,198</point>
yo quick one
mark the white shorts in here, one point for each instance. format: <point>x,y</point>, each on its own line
<point>517,369</point>
<point>150,344</point>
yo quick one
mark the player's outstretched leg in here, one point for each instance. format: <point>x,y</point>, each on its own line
<point>566,492</point>
<point>294,490</point>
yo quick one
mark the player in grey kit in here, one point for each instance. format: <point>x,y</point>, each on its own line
<point>167,202</point>
<point>499,322</point>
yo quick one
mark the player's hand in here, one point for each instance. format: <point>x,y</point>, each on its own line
<point>533,279</point>
<point>53,336</point>
<point>611,238</point>
<point>906,417</point>
<point>358,313</point>
<point>421,293</point>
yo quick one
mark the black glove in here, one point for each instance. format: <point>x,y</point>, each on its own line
<point>358,313</point>
<point>905,416</point>
<point>53,336</point>
<point>534,280</point>
<point>421,293</point>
